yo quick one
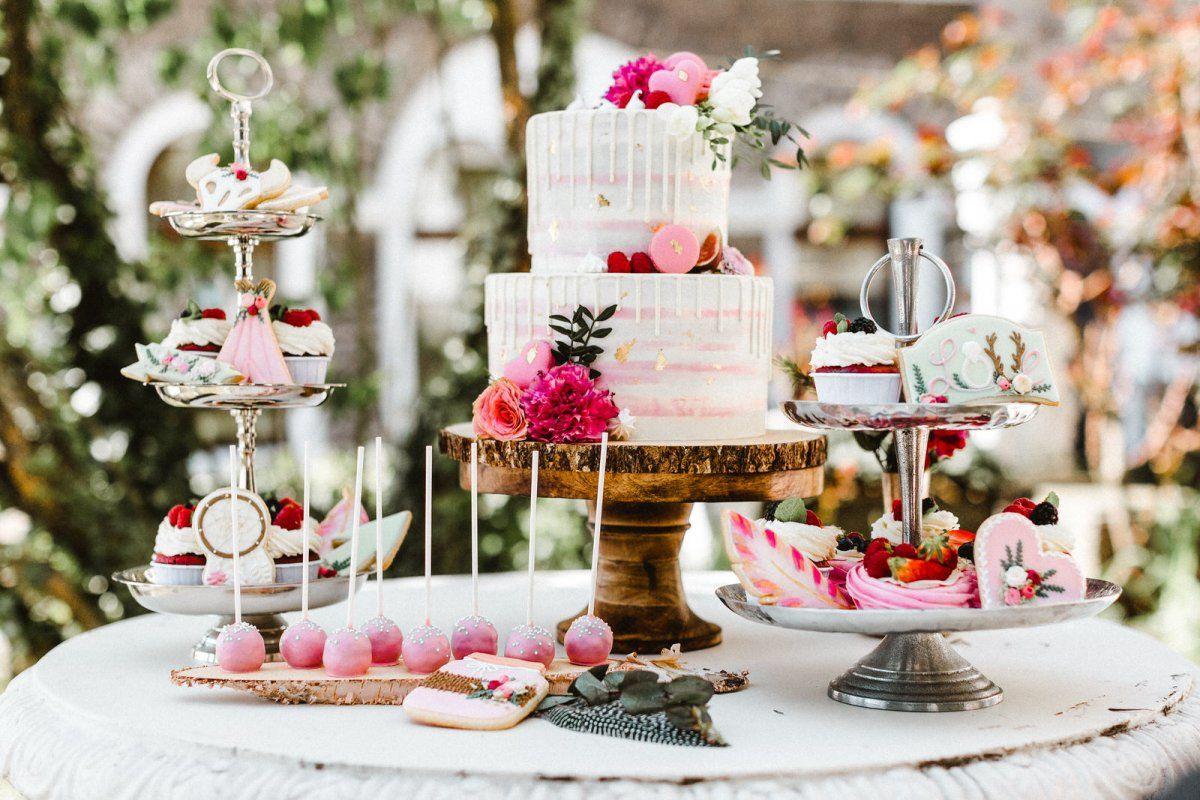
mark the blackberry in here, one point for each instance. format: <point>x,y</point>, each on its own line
<point>1044,513</point>
<point>844,544</point>
<point>863,325</point>
<point>967,550</point>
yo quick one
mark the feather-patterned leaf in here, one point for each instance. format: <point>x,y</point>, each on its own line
<point>774,571</point>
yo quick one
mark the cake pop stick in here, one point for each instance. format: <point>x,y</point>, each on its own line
<point>531,642</point>
<point>385,635</point>
<point>303,643</point>
<point>425,647</point>
<point>589,639</point>
<point>473,633</point>
<point>348,651</point>
<point>240,647</point>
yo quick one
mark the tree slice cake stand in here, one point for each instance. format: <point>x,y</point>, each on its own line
<point>648,495</point>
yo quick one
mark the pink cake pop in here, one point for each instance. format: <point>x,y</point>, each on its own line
<point>531,642</point>
<point>240,647</point>
<point>589,640</point>
<point>303,643</point>
<point>348,651</point>
<point>473,633</point>
<point>426,648</point>
<point>386,638</point>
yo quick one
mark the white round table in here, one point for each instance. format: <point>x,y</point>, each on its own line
<point>1091,710</point>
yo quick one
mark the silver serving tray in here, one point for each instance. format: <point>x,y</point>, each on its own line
<point>890,416</point>
<point>1100,595</point>
<point>245,395</point>
<point>251,224</point>
<point>275,598</point>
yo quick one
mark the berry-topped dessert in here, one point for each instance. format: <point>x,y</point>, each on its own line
<point>853,363</point>
<point>934,520</point>
<point>903,576</point>
<point>629,210</point>
<point>800,527</point>
<point>287,537</point>
<point>177,559</point>
<point>1045,516</point>
<point>198,330</point>
<point>306,342</point>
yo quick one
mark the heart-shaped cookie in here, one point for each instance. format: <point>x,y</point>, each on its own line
<point>1013,569</point>
<point>681,82</point>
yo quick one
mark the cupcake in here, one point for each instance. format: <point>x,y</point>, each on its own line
<point>306,342</point>
<point>903,576</point>
<point>1055,537</point>
<point>854,364</point>
<point>198,330</point>
<point>934,520</point>
<point>286,539</point>
<point>800,527</point>
<point>178,559</point>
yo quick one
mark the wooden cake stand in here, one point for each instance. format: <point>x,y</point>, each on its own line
<point>648,496</point>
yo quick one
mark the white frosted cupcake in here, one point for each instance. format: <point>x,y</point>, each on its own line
<point>306,342</point>
<point>287,537</point>
<point>854,364</point>
<point>198,330</point>
<point>800,527</point>
<point>177,559</point>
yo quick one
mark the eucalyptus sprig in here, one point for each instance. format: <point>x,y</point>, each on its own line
<point>580,330</point>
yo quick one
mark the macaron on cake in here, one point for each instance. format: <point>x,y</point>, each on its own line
<point>903,576</point>
<point>852,363</point>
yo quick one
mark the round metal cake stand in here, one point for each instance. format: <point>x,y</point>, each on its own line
<point>649,490</point>
<point>914,668</point>
<point>262,606</point>
<point>248,226</point>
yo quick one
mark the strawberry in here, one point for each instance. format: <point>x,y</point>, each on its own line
<point>641,264</point>
<point>297,317</point>
<point>212,313</point>
<point>938,548</point>
<point>290,517</point>
<point>905,550</point>
<point>618,262</point>
<point>828,329</point>
<point>907,570</point>
<point>180,516</point>
<point>960,536</point>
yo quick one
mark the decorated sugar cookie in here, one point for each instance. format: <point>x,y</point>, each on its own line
<point>251,346</point>
<point>235,186</point>
<point>1014,569</point>
<point>480,692</point>
<point>979,358</point>
<point>214,521</point>
<point>156,362</point>
<point>776,572</point>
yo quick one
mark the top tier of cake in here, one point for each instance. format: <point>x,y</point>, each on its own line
<point>603,180</point>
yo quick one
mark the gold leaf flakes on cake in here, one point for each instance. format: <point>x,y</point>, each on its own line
<point>602,201</point>
<point>710,380</point>
<point>717,367</point>
<point>660,363</point>
<point>622,353</point>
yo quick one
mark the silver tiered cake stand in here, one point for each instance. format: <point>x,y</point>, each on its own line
<point>242,231</point>
<point>913,668</point>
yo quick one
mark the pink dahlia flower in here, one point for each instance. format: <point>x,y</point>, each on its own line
<point>630,78</point>
<point>497,413</point>
<point>564,404</point>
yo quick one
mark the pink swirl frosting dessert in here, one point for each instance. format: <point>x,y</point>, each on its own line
<point>959,590</point>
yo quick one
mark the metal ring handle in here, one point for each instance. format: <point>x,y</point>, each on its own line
<point>214,80</point>
<point>864,303</point>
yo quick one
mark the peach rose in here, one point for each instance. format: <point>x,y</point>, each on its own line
<point>497,414</point>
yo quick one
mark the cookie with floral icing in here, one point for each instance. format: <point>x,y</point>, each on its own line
<point>1013,569</point>
<point>481,692</point>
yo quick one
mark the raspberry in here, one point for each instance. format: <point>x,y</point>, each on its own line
<point>828,329</point>
<point>810,518</point>
<point>1044,514</point>
<point>212,313</point>
<point>290,517</point>
<point>326,572</point>
<point>641,264</point>
<point>180,516</point>
<point>1022,505</point>
<point>297,318</point>
<point>312,312</point>
<point>897,510</point>
<point>863,325</point>
<point>656,99</point>
<point>618,262</point>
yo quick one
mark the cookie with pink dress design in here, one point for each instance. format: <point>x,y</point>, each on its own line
<point>251,347</point>
<point>481,692</point>
<point>1014,569</point>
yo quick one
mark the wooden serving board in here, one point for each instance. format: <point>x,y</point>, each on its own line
<point>381,686</point>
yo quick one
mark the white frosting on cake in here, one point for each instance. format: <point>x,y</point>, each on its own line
<point>172,541</point>
<point>853,349</point>
<point>197,332</point>
<point>818,543</point>
<point>689,355</point>
<point>892,529</point>
<point>601,180</point>
<point>308,340</point>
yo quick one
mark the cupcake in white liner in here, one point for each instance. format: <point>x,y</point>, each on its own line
<point>177,559</point>
<point>306,342</point>
<point>853,364</point>
<point>286,539</point>
<point>198,330</point>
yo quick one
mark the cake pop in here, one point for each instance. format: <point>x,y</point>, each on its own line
<point>531,642</point>
<point>303,643</point>
<point>240,647</point>
<point>473,633</point>
<point>589,640</point>
<point>426,648</point>
<point>348,651</point>
<point>386,638</point>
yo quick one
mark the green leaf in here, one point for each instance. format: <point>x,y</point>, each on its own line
<point>644,698</point>
<point>561,329</point>
<point>623,679</point>
<point>792,510</point>
<point>1052,499</point>
<point>591,689</point>
<point>689,690</point>
<point>607,313</point>
<point>600,333</point>
<point>555,700</point>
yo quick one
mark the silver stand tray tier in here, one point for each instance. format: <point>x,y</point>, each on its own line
<point>245,224</point>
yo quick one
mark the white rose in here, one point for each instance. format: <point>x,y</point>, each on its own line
<point>1022,383</point>
<point>681,120</point>
<point>735,91</point>
<point>1015,576</point>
